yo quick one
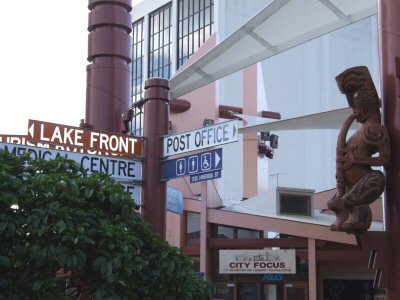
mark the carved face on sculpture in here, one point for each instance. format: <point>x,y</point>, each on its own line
<point>356,83</point>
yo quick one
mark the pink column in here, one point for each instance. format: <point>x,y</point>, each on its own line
<point>389,42</point>
<point>312,270</point>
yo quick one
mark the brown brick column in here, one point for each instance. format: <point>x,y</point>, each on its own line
<point>108,92</point>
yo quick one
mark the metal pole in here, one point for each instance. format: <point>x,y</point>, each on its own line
<point>389,42</point>
<point>156,119</point>
<point>108,91</point>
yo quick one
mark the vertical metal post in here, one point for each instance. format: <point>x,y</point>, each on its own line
<point>156,119</point>
<point>108,91</point>
<point>389,42</point>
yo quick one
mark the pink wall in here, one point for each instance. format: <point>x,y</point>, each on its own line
<point>204,105</point>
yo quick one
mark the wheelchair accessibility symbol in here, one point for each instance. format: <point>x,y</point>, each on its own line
<point>206,161</point>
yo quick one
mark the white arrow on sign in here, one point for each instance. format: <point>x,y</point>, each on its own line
<point>31,129</point>
<point>209,136</point>
<point>217,159</point>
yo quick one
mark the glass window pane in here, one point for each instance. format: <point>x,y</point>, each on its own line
<point>225,232</point>
<point>196,21</point>
<point>166,18</point>
<point>185,27</point>
<point>156,24</point>
<point>196,5</point>
<point>156,41</point>
<point>192,229</point>
<point>185,9</point>
<point>208,15</point>
<point>247,234</point>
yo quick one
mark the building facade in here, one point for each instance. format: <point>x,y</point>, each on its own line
<point>240,212</point>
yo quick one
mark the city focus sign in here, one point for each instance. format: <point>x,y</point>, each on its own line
<point>257,261</point>
<point>209,136</point>
<point>121,169</point>
<point>84,138</point>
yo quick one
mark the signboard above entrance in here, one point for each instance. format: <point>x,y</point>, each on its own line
<point>248,261</point>
<point>84,138</point>
<point>209,136</point>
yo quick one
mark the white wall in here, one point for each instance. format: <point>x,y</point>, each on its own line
<point>302,81</point>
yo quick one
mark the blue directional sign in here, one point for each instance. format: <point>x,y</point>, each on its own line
<point>174,200</point>
<point>205,176</point>
<point>194,164</point>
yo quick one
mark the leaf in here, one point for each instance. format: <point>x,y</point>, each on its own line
<point>98,262</point>
<point>60,226</point>
<point>89,192</point>
<point>37,285</point>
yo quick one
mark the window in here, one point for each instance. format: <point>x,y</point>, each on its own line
<point>160,43</point>
<point>137,75</point>
<point>248,234</point>
<point>137,61</point>
<point>195,25</point>
<point>192,229</point>
<point>225,232</point>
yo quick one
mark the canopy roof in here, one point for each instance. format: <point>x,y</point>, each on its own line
<point>281,25</point>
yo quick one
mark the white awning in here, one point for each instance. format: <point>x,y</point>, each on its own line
<point>332,119</point>
<point>281,25</point>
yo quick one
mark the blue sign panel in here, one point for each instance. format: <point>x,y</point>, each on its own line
<point>205,176</point>
<point>194,164</point>
<point>174,200</point>
<point>273,277</point>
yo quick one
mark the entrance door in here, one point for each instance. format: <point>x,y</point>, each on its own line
<point>295,291</point>
<point>270,292</point>
<point>259,291</point>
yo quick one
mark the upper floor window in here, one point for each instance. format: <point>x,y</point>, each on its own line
<point>160,43</point>
<point>137,61</point>
<point>195,25</point>
<point>137,75</point>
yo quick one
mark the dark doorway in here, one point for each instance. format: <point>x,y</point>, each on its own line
<point>337,289</point>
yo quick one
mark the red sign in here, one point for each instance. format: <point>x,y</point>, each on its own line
<point>105,142</point>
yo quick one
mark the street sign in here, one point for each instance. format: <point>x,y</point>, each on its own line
<point>135,191</point>
<point>205,176</point>
<point>174,200</point>
<point>84,138</point>
<point>23,140</point>
<point>209,136</point>
<point>117,167</point>
<point>193,164</point>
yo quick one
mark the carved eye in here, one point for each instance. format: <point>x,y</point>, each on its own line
<point>355,95</point>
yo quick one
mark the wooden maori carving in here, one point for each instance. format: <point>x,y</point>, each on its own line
<point>358,185</point>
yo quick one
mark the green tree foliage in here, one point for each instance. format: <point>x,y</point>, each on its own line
<point>55,219</point>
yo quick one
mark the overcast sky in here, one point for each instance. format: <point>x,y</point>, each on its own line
<point>43,62</point>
